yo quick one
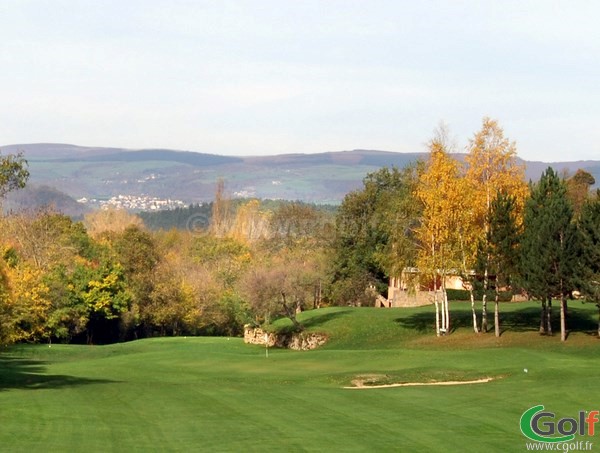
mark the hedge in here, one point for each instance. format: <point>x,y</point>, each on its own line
<point>463,295</point>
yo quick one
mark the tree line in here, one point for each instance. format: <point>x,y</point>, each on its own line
<point>112,278</point>
<point>476,217</point>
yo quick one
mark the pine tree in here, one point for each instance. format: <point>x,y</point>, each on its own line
<point>502,241</point>
<point>549,247</point>
<point>589,229</point>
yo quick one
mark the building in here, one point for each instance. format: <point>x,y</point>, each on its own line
<point>408,290</point>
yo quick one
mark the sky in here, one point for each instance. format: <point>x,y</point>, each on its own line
<point>260,77</point>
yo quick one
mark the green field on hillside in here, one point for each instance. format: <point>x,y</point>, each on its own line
<point>218,394</point>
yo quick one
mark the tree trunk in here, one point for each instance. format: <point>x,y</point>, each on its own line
<point>543,318</point>
<point>549,317</point>
<point>291,313</point>
<point>445,295</point>
<point>443,313</point>
<point>298,305</point>
<point>317,299</point>
<point>497,314</point>
<point>443,329</point>
<point>472,296</point>
<point>484,322</point>
<point>563,315</point>
<point>437,314</point>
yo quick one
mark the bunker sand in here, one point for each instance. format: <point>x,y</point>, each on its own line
<point>359,384</point>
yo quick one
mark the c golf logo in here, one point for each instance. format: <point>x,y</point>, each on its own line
<point>540,425</point>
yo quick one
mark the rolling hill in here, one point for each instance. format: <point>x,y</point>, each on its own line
<point>100,173</point>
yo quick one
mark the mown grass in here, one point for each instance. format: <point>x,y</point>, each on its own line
<point>218,394</point>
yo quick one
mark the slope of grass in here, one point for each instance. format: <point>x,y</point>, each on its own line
<point>202,394</point>
<point>365,328</point>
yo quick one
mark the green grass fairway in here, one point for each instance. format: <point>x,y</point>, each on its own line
<point>218,394</point>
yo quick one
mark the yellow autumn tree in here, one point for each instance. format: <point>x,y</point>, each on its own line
<point>467,233</point>
<point>250,222</point>
<point>111,220</point>
<point>441,192</point>
<point>492,168</point>
<point>222,216</point>
<point>27,301</point>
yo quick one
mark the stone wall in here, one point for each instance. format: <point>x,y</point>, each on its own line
<point>301,341</point>
<point>398,297</point>
<point>416,299</point>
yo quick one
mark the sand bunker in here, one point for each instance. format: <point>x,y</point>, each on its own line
<point>361,384</point>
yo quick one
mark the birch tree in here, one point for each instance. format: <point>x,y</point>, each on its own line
<point>492,168</point>
<point>439,191</point>
<point>467,231</point>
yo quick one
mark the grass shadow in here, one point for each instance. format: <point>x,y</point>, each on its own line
<point>424,322</point>
<point>420,322</point>
<point>24,374</point>
<point>321,319</point>
<point>526,319</point>
<point>315,320</point>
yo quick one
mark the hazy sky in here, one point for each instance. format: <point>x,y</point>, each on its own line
<point>263,77</point>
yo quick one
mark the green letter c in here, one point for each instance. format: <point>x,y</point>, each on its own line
<point>527,429</point>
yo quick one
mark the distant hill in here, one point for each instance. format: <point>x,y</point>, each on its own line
<point>158,155</point>
<point>101,173</point>
<point>57,150</point>
<point>356,157</point>
<point>43,197</point>
<point>536,168</point>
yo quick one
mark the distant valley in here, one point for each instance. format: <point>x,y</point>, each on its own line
<point>98,174</point>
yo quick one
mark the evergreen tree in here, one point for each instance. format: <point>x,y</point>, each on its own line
<point>549,247</point>
<point>589,229</point>
<point>502,247</point>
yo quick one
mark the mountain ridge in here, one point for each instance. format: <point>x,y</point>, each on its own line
<point>94,172</point>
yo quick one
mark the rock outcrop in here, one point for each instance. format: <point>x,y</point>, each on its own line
<point>300,341</point>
